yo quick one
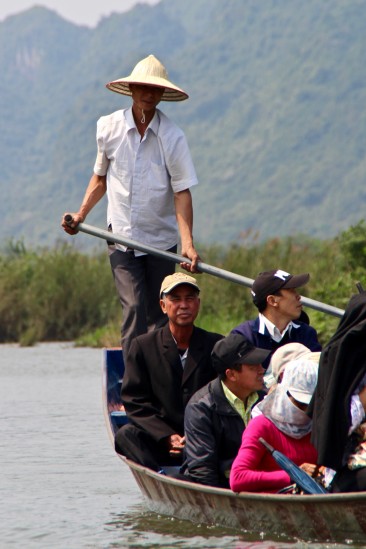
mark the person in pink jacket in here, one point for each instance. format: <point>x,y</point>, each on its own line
<point>284,424</point>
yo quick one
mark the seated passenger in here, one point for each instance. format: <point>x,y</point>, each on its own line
<point>339,403</point>
<point>164,368</point>
<point>279,305</point>
<point>284,355</point>
<point>285,425</point>
<point>218,413</point>
<point>280,358</point>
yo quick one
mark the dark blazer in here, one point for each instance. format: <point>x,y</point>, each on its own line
<point>300,333</point>
<point>155,388</point>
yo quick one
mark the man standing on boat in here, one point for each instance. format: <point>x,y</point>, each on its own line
<point>145,167</point>
<point>164,368</point>
<point>279,304</point>
<point>217,414</point>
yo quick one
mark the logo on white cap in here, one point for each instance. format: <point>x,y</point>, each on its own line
<point>282,275</point>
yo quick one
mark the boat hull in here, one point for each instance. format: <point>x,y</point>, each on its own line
<point>316,518</point>
<point>323,518</point>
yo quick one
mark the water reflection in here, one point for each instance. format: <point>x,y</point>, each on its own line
<point>142,529</point>
<point>152,530</point>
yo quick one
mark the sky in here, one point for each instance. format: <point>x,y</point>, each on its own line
<point>80,12</point>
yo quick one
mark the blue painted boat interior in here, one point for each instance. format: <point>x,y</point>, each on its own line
<point>114,370</point>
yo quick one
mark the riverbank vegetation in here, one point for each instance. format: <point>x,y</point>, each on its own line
<point>61,294</point>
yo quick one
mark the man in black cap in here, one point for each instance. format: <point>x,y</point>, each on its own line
<point>279,304</point>
<point>217,414</point>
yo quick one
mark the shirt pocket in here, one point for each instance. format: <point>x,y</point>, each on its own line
<point>158,178</point>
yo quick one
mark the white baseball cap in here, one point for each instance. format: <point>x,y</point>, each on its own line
<point>300,379</point>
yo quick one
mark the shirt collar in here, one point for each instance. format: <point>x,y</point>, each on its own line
<point>274,332</point>
<point>154,124</point>
<point>229,394</point>
<point>238,404</point>
<point>182,356</point>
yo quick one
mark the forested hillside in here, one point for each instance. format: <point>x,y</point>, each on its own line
<point>275,120</point>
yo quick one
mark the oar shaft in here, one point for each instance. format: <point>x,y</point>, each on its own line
<point>203,267</point>
<point>176,258</point>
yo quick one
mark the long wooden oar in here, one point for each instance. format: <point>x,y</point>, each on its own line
<point>203,267</point>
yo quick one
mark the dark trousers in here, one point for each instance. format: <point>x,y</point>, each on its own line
<point>136,444</point>
<point>138,281</point>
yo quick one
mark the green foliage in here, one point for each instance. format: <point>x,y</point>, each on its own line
<point>103,336</point>
<point>61,294</point>
<point>353,246</point>
<point>53,295</point>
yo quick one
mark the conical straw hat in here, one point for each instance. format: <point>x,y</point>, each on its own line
<point>149,71</point>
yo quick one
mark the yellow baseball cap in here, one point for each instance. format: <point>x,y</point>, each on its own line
<point>172,281</point>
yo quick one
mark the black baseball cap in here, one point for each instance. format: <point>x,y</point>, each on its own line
<point>236,349</point>
<point>270,282</point>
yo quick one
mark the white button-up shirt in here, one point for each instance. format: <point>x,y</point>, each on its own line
<point>274,332</point>
<point>142,176</point>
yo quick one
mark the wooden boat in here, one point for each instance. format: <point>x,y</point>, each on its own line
<point>317,518</point>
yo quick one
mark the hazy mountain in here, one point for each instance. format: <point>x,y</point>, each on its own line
<point>275,120</point>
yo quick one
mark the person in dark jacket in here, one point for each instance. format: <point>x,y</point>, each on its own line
<point>339,402</point>
<point>280,311</point>
<point>164,368</point>
<point>217,414</point>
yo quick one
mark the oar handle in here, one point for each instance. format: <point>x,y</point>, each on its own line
<point>68,219</point>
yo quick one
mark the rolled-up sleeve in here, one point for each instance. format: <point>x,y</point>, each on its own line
<point>101,161</point>
<point>180,166</point>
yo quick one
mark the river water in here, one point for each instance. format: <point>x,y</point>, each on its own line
<point>62,486</point>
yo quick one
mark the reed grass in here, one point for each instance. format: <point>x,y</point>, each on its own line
<point>61,294</point>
